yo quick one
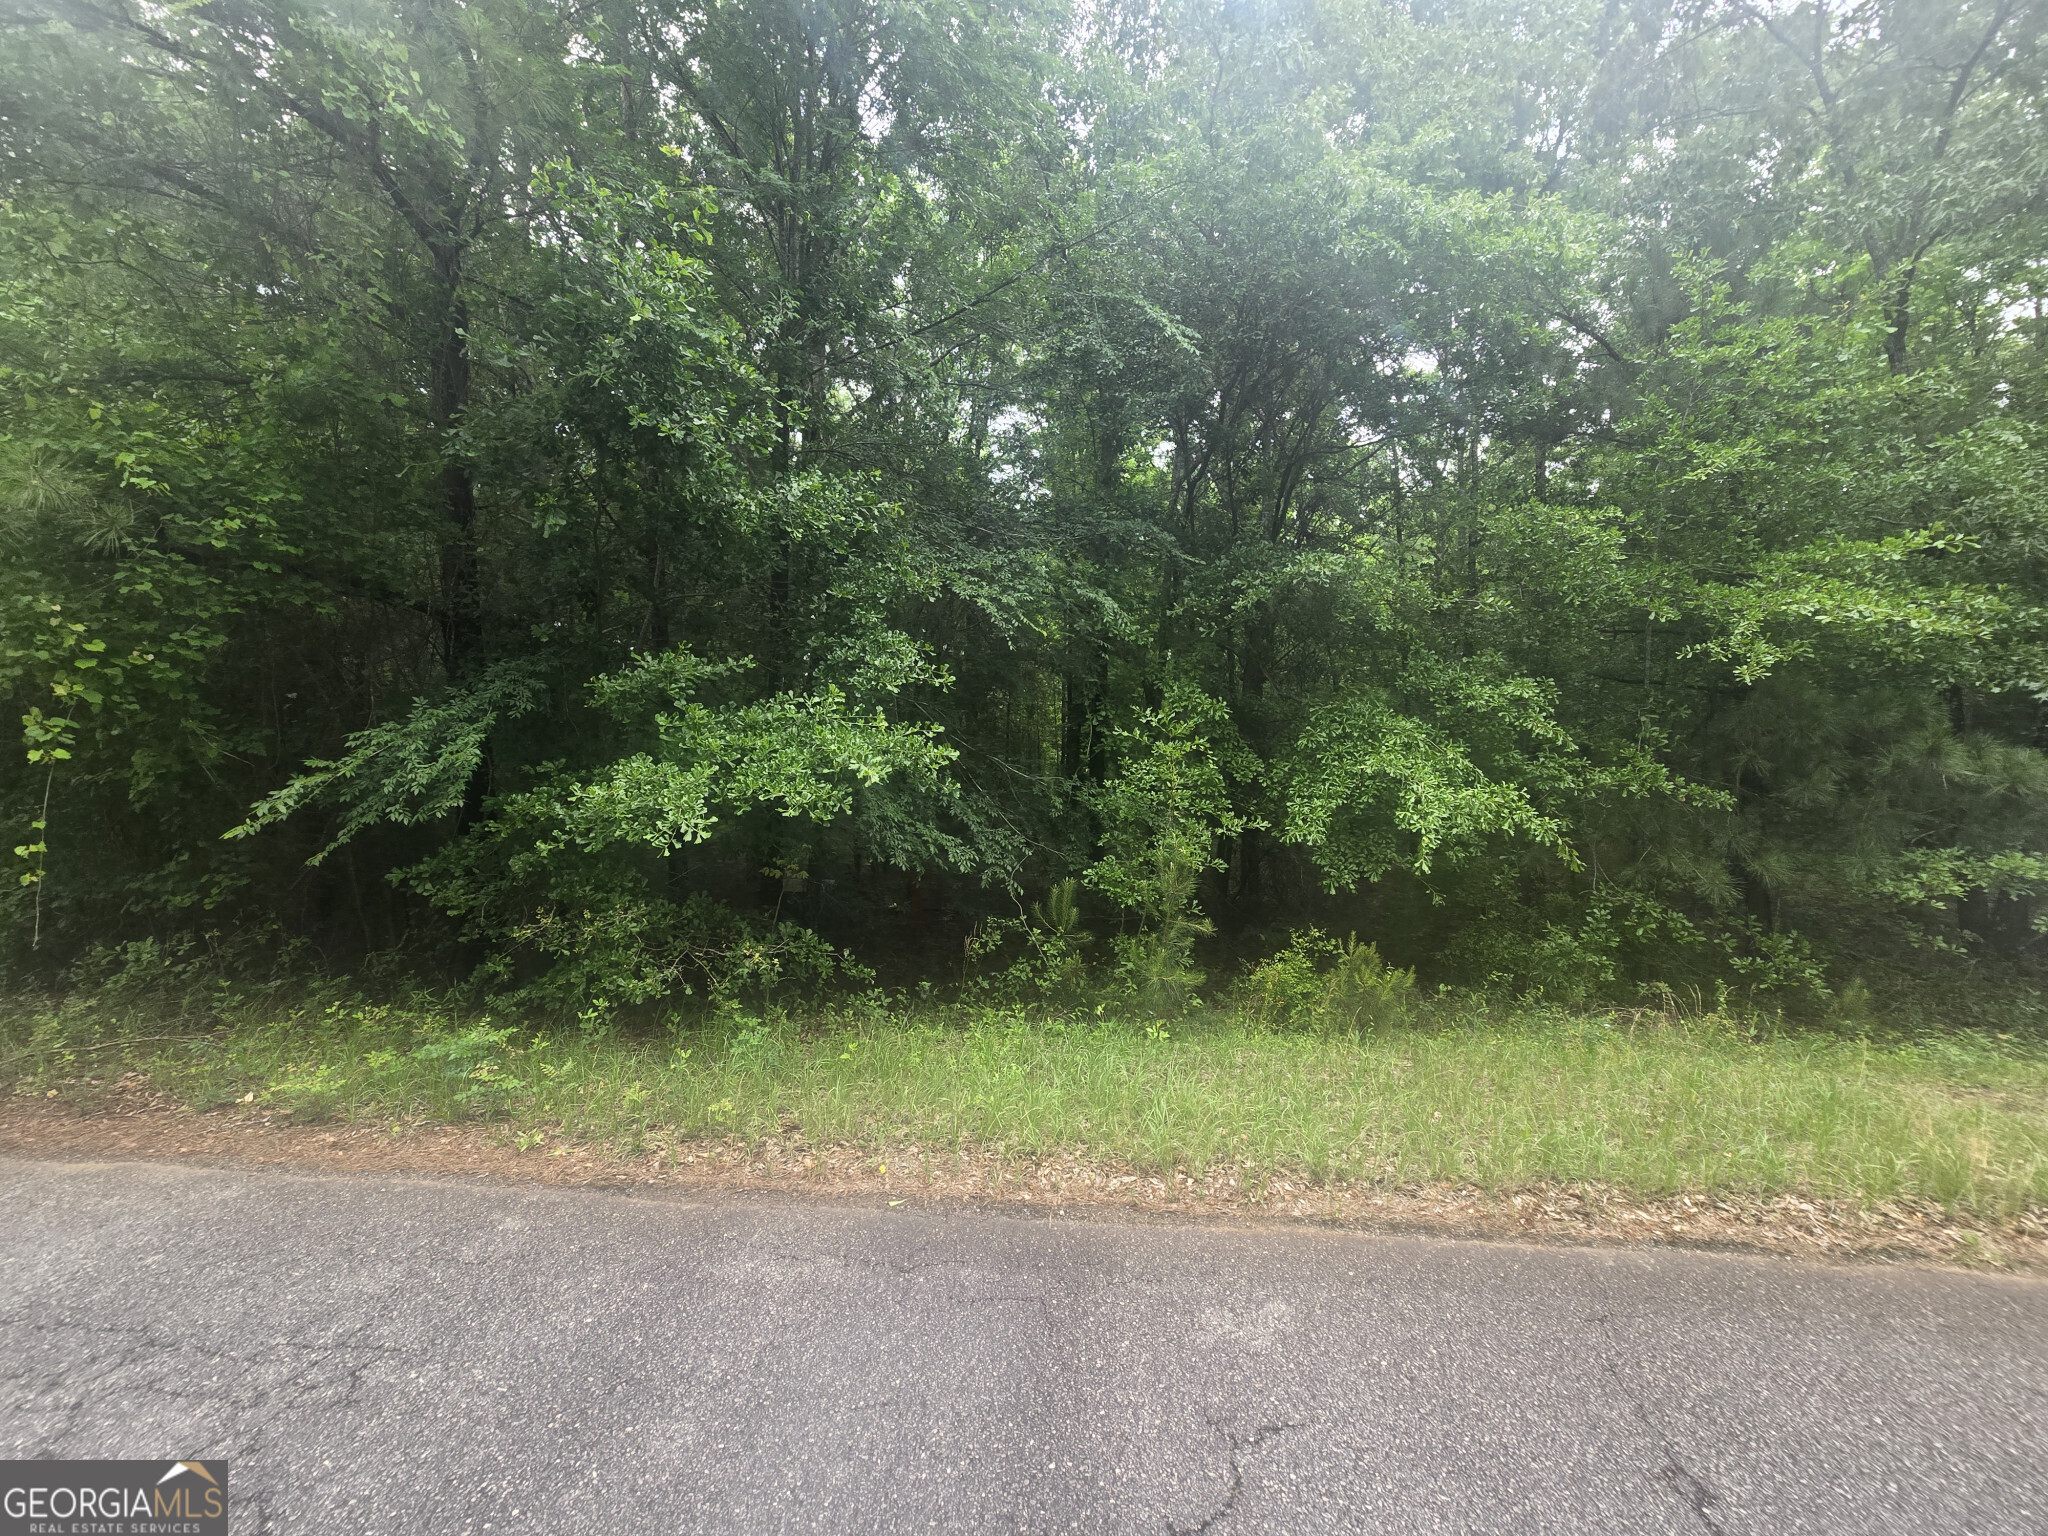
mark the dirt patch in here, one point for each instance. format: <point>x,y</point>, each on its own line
<point>128,1121</point>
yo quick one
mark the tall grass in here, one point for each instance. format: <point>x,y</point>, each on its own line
<point>1652,1103</point>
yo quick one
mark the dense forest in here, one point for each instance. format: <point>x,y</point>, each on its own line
<point>620,500</point>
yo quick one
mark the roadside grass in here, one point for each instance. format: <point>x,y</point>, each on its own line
<point>1648,1102</point>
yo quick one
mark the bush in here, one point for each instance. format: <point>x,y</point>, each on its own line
<point>1157,963</point>
<point>1287,986</point>
<point>1363,991</point>
<point>1054,966</point>
<point>1358,990</point>
<point>605,958</point>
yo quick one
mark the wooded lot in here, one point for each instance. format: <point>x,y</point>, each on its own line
<point>631,501</point>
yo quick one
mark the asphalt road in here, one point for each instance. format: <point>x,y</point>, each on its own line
<point>411,1356</point>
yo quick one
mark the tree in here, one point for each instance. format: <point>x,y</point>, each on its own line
<point>1551,488</point>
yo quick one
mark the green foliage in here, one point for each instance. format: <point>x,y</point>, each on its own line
<point>618,956</point>
<point>1059,946</point>
<point>1364,991</point>
<point>1552,491</point>
<point>1167,804</point>
<point>1318,982</point>
<point>1156,964</point>
<point>1371,791</point>
<point>471,1059</point>
<point>409,771</point>
<point>1053,969</point>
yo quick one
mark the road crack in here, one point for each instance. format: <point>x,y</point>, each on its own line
<point>1696,1494</point>
<point>1673,1473</point>
<point>1239,1450</point>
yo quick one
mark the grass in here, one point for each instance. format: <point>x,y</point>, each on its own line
<point>1655,1104</point>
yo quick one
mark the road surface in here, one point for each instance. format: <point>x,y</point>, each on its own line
<point>414,1356</point>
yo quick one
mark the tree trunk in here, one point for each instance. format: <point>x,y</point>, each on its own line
<point>461,606</point>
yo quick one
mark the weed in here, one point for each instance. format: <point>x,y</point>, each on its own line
<point>1363,1082</point>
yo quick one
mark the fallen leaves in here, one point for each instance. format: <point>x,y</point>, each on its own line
<point>133,1123</point>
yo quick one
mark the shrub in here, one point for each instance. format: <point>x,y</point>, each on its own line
<point>1286,986</point>
<point>601,958</point>
<point>1363,991</point>
<point>1157,963</point>
<point>1054,966</point>
<point>1358,990</point>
